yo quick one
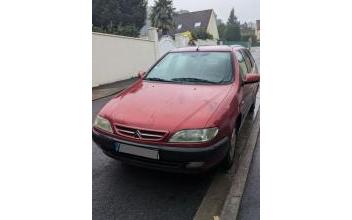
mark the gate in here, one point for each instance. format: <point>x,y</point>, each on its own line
<point>166,44</point>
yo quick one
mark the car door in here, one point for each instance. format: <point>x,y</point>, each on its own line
<point>252,67</point>
<point>245,88</point>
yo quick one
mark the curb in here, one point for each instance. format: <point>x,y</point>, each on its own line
<point>223,198</point>
<point>233,201</point>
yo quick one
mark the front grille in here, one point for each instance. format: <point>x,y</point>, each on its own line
<point>141,134</point>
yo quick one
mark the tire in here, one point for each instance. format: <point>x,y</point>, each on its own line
<point>230,155</point>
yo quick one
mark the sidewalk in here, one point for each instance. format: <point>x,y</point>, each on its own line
<point>232,203</point>
<point>111,88</point>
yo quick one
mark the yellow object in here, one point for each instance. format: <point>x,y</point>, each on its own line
<point>187,34</point>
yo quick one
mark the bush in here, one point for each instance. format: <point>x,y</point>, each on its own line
<point>246,38</point>
<point>201,33</point>
<point>232,32</point>
<point>98,29</point>
<point>128,30</point>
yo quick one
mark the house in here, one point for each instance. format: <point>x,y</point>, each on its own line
<point>189,21</point>
<point>257,31</point>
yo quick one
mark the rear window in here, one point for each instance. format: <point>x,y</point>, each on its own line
<point>212,67</point>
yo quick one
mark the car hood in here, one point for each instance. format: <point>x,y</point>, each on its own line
<point>165,106</point>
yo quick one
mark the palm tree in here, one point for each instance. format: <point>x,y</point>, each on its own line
<point>162,15</point>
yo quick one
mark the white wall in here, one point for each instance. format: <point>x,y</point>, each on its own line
<point>166,43</point>
<point>181,41</point>
<point>119,57</point>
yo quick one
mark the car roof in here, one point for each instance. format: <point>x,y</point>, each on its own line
<point>220,48</point>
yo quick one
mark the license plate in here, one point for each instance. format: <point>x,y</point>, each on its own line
<point>138,151</point>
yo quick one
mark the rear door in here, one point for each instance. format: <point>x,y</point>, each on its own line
<point>252,68</point>
<point>253,65</point>
<point>245,88</point>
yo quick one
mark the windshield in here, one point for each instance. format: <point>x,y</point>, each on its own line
<point>193,67</point>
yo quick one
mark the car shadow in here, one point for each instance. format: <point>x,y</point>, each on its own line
<point>128,192</point>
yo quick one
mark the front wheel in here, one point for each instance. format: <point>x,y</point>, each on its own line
<point>230,156</point>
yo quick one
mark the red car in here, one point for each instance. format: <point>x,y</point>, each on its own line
<point>184,113</point>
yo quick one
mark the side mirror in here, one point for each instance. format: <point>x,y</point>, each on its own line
<point>251,78</point>
<point>141,74</point>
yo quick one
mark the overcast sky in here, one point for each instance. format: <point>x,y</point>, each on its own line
<point>245,10</point>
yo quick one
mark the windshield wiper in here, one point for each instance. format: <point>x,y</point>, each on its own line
<point>157,79</point>
<point>189,79</point>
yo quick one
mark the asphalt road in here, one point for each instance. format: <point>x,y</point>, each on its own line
<point>250,204</point>
<point>124,192</point>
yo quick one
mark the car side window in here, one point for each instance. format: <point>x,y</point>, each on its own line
<point>242,63</point>
<point>254,66</point>
<point>247,61</point>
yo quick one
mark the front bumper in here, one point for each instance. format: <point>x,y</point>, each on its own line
<point>170,158</point>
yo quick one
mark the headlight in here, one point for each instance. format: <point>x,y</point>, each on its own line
<point>103,124</point>
<point>197,135</point>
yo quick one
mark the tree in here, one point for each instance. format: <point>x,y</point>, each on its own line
<point>106,13</point>
<point>162,16</point>
<point>221,29</point>
<point>124,17</point>
<point>232,32</point>
<point>182,11</point>
<point>134,12</point>
<point>232,20</point>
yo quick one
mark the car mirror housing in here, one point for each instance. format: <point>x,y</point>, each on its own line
<point>141,74</point>
<point>251,78</point>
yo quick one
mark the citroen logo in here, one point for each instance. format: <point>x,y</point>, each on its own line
<point>138,134</point>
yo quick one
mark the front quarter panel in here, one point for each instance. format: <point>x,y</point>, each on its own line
<point>225,116</point>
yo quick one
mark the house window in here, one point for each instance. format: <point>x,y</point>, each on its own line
<point>179,26</point>
<point>197,24</point>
